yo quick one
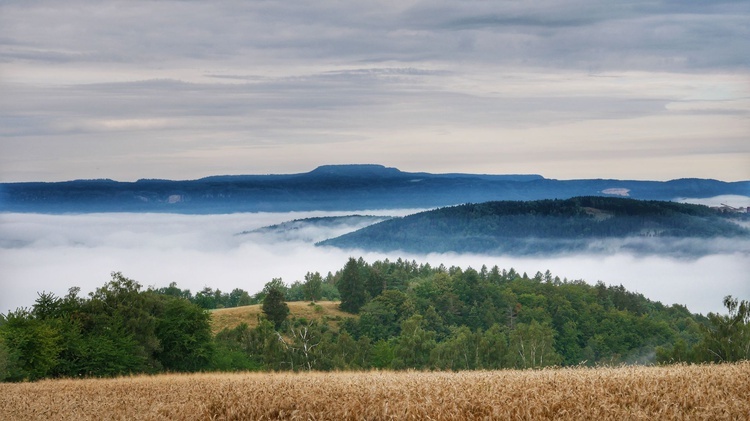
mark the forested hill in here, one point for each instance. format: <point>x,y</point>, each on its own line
<point>332,187</point>
<point>592,224</point>
<point>391,315</point>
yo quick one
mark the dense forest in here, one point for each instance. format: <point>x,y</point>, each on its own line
<point>403,315</point>
<point>547,226</point>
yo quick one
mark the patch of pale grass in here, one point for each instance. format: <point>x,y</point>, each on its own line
<point>233,317</point>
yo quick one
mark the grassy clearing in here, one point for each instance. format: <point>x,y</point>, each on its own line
<point>232,317</point>
<point>641,393</point>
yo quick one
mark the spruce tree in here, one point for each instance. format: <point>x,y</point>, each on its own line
<point>274,307</point>
<point>351,286</point>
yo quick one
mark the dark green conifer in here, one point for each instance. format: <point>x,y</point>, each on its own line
<point>274,306</point>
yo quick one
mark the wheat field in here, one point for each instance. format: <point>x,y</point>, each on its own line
<point>711,392</point>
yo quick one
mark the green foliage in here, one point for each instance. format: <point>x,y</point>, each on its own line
<point>722,338</point>
<point>415,344</point>
<point>184,332</point>
<point>226,359</point>
<point>313,286</point>
<point>351,285</point>
<point>423,318</point>
<point>121,302</point>
<point>173,291</point>
<point>8,362</point>
<point>381,318</point>
<point>274,307</point>
<point>106,349</point>
<point>238,349</point>
<point>531,346</point>
<point>305,347</point>
<point>726,338</point>
<point>209,299</point>
<point>238,297</point>
<point>460,351</point>
<point>31,346</point>
<point>383,354</point>
<point>118,330</point>
<point>329,292</point>
<point>530,322</point>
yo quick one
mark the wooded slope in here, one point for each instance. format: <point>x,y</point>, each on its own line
<point>545,226</point>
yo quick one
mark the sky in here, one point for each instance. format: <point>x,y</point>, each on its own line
<point>185,89</point>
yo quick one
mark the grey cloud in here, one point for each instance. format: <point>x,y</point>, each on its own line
<point>585,34</point>
<point>181,78</point>
<point>702,32</point>
<point>120,120</point>
<point>492,21</point>
<point>343,91</point>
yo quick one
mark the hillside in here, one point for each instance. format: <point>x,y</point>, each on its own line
<point>551,226</point>
<point>231,317</point>
<point>332,187</point>
<point>315,229</point>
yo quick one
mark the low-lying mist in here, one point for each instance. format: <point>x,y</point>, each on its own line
<point>52,253</point>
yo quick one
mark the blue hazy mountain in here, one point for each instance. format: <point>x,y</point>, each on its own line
<point>332,187</point>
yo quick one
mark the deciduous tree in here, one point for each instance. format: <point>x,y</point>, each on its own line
<point>313,286</point>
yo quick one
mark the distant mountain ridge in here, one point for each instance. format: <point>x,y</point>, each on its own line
<point>332,187</point>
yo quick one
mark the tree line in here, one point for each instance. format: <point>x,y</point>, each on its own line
<point>210,299</point>
<point>403,315</point>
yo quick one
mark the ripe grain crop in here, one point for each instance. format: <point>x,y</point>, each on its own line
<point>681,392</point>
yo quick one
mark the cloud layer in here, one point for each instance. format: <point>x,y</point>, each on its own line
<point>183,89</point>
<point>55,252</point>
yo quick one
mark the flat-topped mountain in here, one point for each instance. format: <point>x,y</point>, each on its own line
<point>381,171</point>
<point>332,187</point>
<point>356,170</point>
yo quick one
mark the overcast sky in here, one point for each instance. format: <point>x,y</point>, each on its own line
<point>185,89</point>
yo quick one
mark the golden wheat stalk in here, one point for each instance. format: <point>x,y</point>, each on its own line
<point>664,393</point>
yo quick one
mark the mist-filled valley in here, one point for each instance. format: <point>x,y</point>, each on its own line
<point>52,253</point>
<point>377,210</point>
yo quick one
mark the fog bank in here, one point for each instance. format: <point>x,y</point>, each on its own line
<point>55,252</point>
